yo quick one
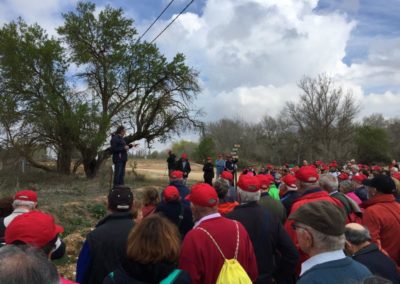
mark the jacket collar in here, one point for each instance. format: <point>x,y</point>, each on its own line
<point>370,248</point>
<point>114,216</point>
<point>248,204</point>
<point>149,273</point>
<point>313,193</point>
<point>382,198</point>
<point>290,192</point>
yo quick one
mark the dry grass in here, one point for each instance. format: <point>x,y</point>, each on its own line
<point>78,203</point>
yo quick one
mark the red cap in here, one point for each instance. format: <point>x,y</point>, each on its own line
<point>26,195</point>
<point>34,228</point>
<point>171,193</point>
<point>359,178</point>
<point>184,156</point>
<point>227,175</point>
<point>176,174</point>
<point>249,183</point>
<point>343,176</point>
<point>265,180</point>
<point>376,168</point>
<point>333,164</point>
<point>269,166</point>
<point>396,175</point>
<point>203,194</point>
<point>318,162</point>
<point>307,174</point>
<point>289,180</point>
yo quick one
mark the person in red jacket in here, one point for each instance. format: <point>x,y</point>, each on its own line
<point>199,254</point>
<point>382,215</point>
<point>309,191</point>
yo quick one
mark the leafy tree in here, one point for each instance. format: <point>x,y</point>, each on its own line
<point>372,144</point>
<point>205,149</point>
<point>126,82</point>
<point>184,146</point>
<point>37,104</point>
<point>132,82</point>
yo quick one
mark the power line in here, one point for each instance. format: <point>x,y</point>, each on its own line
<point>152,24</point>
<point>176,17</point>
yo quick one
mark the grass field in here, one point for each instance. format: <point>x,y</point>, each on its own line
<point>78,203</point>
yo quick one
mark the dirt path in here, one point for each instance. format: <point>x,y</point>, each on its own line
<point>156,169</point>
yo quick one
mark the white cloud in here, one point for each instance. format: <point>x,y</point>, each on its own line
<point>47,13</point>
<point>387,104</point>
<point>250,53</point>
<point>380,69</point>
<point>247,103</point>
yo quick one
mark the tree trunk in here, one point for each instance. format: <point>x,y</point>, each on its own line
<point>91,165</point>
<point>64,160</point>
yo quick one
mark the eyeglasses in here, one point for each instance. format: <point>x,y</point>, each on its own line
<point>296,226</point>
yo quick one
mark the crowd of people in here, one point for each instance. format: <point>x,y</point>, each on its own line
<point>314,223</point>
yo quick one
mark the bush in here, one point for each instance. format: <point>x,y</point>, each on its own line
<point>97,210</point>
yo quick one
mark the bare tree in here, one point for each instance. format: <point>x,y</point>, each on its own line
<point>324,116</point>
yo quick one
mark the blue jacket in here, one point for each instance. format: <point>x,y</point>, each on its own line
<point>183,190</point>
<point>344,270</point>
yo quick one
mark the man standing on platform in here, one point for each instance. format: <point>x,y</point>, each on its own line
<point>119,150</point>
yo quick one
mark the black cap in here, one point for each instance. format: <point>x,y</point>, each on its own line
<point>382,183</point>
<point>323,216</point>
<point>120,198</point>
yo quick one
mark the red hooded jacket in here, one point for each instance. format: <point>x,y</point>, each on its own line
<point>382,218</point>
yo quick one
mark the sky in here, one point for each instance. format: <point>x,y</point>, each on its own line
<point>251,54</point>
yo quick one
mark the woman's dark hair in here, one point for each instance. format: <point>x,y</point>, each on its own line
<point>153,240</point>
<point>221,187</point>
<point>151,196</point>
<point>119,129</point>
<point>46,249</point>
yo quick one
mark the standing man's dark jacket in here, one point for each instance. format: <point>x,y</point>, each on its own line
<point>230,165</point>
<point>171,161</point>
<point>119,153</point>
<point>178,213</point>
<point>378,263</point>
<point>120,156</point>
<point>104,247</point>
<point>185,168</point>
<point>275,252</point>
<point>208,170</point>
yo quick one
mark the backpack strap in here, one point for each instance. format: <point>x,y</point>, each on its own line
<point>215,242</point>
<point>112,276</point>
<point>237,240</point>
<point>171,277</point>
